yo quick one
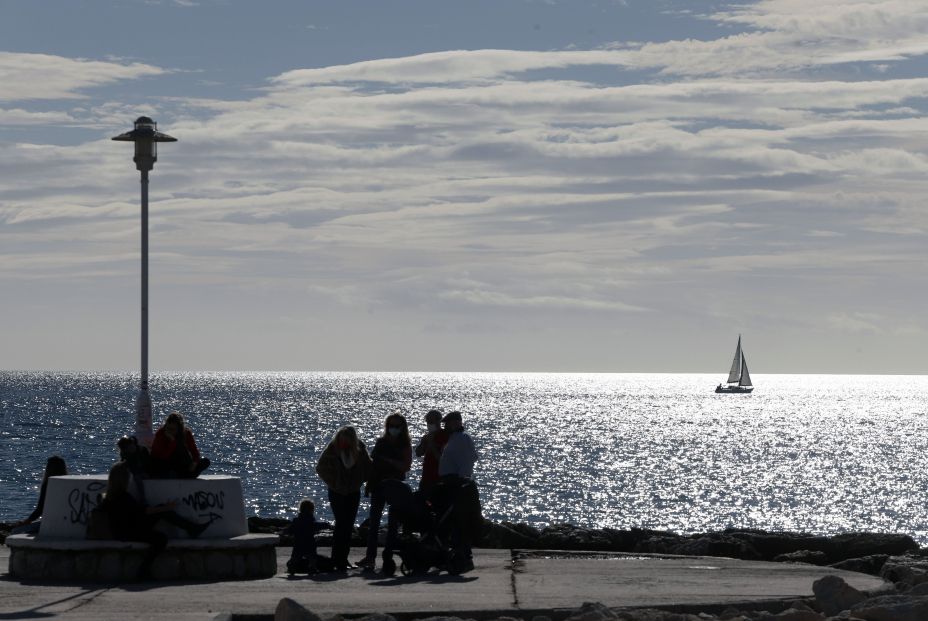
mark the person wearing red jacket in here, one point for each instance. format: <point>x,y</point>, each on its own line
<point>171,458</point>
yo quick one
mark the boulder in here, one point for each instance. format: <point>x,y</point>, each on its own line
<point>811,557</point>
<point>906,570</point>
<point>289,610</point>
<point>866,564</point>
<point>570,537</point>
<point>503,537</point>
<point>770,545</point>
<point>270,526</point>
<point>715,544</point>
<point>833,594</point>
<point>855,545</point>
<point>892,608</point>
<point>592,611</point>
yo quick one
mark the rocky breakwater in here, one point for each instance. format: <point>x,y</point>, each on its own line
<point>863,552</point>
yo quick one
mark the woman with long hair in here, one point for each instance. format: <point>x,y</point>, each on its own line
<point>344,467</point>
<point>174,452</point>
<point>54,467</point>
<point>392,459</point>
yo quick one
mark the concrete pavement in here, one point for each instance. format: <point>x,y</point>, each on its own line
<point>501,581</point>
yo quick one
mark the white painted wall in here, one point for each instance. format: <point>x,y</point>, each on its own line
<point>214,498</point>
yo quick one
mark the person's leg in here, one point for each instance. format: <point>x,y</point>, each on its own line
<point>373,526</point>
<point>335,503</point>
<point>157,542</point>
<point>193,529</point>
<point>389,566</point>
<point>345,510</point>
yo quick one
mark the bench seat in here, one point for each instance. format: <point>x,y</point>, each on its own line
<point>89,560</point>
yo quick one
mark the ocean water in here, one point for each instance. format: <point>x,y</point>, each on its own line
<point>821,454</point>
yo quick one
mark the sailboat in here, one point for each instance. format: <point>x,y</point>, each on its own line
<point>739,380</point>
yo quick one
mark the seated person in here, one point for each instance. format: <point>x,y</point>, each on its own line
<point>304,527</point>
<point>129,520</point>
<point>137,458</point>
<point>174,453</point>
<point>54,467</point>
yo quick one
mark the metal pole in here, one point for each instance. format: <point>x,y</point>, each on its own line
<point>144,384</point>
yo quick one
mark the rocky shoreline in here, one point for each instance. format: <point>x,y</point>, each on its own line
<point>863,552</point>
<point>894,557</point>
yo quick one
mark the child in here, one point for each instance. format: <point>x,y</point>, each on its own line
<point>304,528</point>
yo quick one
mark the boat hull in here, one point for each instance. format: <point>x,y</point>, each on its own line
<point>733,389</point>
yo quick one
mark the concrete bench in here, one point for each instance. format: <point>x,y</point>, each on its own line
<point>224,550</point>
<point>82,560</point>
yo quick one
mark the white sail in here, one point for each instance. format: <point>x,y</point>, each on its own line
<point>745,376</point>
<point>735,374</point>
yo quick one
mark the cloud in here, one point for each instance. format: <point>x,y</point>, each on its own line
<point>43,76</point>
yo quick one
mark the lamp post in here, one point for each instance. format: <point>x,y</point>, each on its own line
<point>146,137</point>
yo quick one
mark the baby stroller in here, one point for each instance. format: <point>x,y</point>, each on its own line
<point>437,517</point>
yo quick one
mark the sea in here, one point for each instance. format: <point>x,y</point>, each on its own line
<point>822,454</point>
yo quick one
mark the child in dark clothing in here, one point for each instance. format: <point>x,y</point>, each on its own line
<point>304,527</point>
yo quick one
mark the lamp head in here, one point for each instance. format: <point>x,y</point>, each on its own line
<point>146,138</point>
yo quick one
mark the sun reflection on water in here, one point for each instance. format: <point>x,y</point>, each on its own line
<point>821,454</point>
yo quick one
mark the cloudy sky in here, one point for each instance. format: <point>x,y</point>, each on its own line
<point>560,185</point>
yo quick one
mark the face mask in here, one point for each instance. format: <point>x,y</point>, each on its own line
<point>433,427</point>
<point>394,431</point>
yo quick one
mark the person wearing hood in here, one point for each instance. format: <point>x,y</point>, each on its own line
<point>344,467</point>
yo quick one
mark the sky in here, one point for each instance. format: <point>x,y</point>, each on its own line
<point>501,185</point>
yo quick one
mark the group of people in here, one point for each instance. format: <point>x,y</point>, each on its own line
<point>345,466</point>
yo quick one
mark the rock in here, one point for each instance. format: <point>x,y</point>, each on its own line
<point>525,529</point>
<point>793,614</point>
<point>892,608</point>
<point>504,537</point>
<point>855,545</point>
<point>377,616</point>
<point>266,525</point>
<point>661,543</point>
<point>811,557</point>
<point>834,595</point>
<point>770,545</point>
<point>866,564</point>
<point>289,610</point>
<point>592,611</point>
<point>570,537</point>
<point>716,544</point>
<point>918,590</point>
<point>905,571</point>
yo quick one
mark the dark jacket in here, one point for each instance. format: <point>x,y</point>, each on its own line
<point>337,477</point>
<point>382,469</point>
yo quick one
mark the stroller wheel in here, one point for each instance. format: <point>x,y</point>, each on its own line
<point>406,571</point>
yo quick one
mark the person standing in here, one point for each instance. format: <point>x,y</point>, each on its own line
<point>456,486</point>
<point>429,449</point>
<point>391,460</point>
<point>344,467</point>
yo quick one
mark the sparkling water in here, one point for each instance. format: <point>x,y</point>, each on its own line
<point>821,454</point>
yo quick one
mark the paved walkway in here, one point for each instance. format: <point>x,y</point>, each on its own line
<point>501,581</point>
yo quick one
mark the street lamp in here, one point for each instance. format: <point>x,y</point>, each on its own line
<point>146,138</point>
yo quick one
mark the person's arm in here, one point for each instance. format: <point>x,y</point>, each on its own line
<point>422,446</point>
<point>326,468</point>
